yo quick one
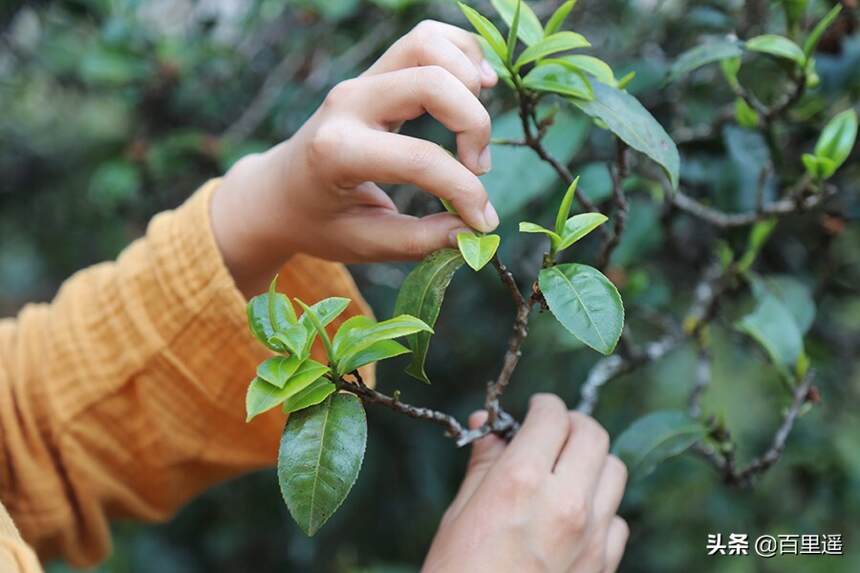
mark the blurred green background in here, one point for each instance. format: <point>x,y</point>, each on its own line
<point>113,110</point>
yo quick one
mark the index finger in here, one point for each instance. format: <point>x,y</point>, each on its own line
<point>540,439</point>
<point>411,50</point>
<point>585,453</point>
<point>398,96</point>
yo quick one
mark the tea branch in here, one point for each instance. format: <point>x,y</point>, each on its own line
<point>453,428</point>
<point>701,381</point>
<point>721,455</point>
<point>611,367</point>
<point>770,112</point>
<point>504,424</point>
<point>714,284</point>
<point>619,173</point>
<point>703,308</point>
<point>515,342</point>
<point>528,116</point>
<point>796,202</point>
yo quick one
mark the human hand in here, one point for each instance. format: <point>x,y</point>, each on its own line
<point>317,193</point>
<point>547,502</point>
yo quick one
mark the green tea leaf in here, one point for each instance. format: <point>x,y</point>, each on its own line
<point>772,325</point>
<point>795,296</point>
<point>477,250</point>
<point>529,29</point>
<point>559,79</point>
<point>274,305</point>
<point>655,438</point>
<point>309,371</point>
<point>730,68</point>
<point>558,42</point>
<point>814,37</point>
<point>746,116</point>
<point>316,392</point>
<point>703,55</point>
<point>341,337</point>
<point>318,327</point>
<point>380,351</point>
<point>277,370</point>
<point>558,17</point>
<point>495,61</point>
<point>813,80</point>
<point>588,64</point>
<point>625,80</point>
<point>268,314</point>
<point>625,117</point>
<point>319,459</point>
<point>512,33</point>
<point>263,396</point>
<point>293,337</point>
<point>526,227</point>
<point>759,234</point>
<point>585,302</point>
<point>778,46</point>
<point>564,208</point>
<point>326,311</point>
<point>579,226</point>
<point>837,139</point>
<point>358,338</point>
<point>818,167</point>
<point>421,295</point>
<point>794,11</point>
<point>486,29</point>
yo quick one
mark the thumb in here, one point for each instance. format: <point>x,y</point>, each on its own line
<point>395,236</point>
<point>485,452</point>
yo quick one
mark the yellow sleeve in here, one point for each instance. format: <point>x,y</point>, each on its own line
<point>124,397</point>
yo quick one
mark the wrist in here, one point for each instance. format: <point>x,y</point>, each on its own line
<point>248,220</point>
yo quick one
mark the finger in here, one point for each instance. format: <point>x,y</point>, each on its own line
<point>425,33</point>
<point>538,443</point>
<point>438,51</point>
<point>356,155</point>
<point>616,540</point>
<point>584,455</point>
<point>388,236</point>
<point>369,194</point>
<point>389,99</point>
<point>610,489</point>
<point>485,452</point>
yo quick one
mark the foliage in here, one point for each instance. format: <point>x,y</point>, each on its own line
<point>115,111</point>
<point>580,296</point>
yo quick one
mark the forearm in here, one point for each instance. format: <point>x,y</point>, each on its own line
<point>125,395</point>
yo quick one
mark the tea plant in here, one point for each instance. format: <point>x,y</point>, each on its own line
<point>324,439</point>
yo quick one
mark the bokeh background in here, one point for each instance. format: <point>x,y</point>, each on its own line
<point>113,110</point>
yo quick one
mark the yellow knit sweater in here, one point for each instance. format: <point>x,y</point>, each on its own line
<point>124,397</point>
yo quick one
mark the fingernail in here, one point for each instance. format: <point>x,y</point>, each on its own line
<point>452,236</point>
<point>488,71</point>
<point>485,160</point>
<point>491,218</point>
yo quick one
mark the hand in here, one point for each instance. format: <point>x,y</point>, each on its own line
<point>317,193</point>
<point>546,502</point>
